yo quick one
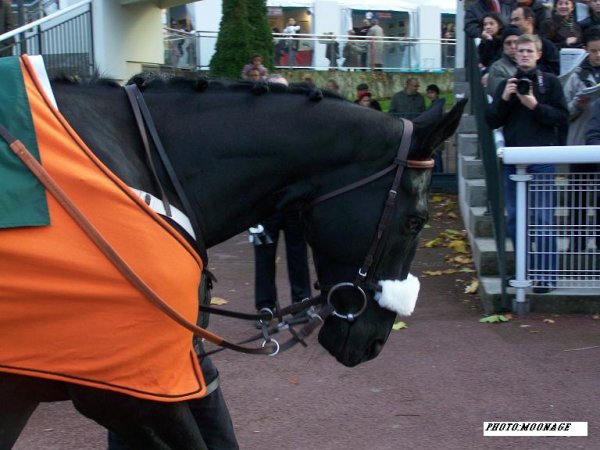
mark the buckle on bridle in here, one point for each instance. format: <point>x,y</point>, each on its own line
<point>350,317</point>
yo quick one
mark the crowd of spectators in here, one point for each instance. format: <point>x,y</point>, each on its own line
<point>519,57</point>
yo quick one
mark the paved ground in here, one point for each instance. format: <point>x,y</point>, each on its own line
<point>431,388</point>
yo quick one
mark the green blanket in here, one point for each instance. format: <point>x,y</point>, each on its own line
<point>22,197</point>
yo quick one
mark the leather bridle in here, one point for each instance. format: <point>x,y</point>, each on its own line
<point>377,244</point>
<point>270,346</point>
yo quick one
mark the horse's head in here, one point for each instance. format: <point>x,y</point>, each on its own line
<point>342,231</point>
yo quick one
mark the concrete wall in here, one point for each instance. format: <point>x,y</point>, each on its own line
<point>125,35</point>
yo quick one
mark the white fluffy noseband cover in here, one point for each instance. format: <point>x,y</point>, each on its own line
<point>399,296</point>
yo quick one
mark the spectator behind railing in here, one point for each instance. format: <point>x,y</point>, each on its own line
<point>506,66</point>
<point>490,46</point>
<point>524,18</point>
<point>408,103</point>
<point>529,107</point>
<point>255,65</point>
<point>592,137</point>
<point>562,29</point>
<point>375,53</point>
<point>593,17</point>
<point>474,14</point>
<point>580,91</point>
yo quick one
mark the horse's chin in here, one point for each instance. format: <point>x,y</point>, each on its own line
<point>350,343</point>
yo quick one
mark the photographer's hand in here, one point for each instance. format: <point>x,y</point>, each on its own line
<point>528,100</point>
<point>509,89</point>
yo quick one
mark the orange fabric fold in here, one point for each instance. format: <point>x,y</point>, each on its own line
<point>66,313</point>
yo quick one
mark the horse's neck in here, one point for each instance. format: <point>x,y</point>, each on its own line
<point>243,167</point>
<point>236,167</point>
<point>106,125</point>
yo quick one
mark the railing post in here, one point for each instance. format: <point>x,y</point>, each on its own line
<point>520,303</point>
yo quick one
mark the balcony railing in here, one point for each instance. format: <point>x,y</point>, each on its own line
<point>64,38</point>
<point>193,50</point>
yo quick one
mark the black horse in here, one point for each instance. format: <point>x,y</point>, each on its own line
<point>241,151</point>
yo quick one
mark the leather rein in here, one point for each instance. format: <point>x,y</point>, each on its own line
<point>269,346</point>
<point>377,244</point>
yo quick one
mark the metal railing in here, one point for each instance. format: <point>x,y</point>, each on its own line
<point>64,38</point>
<point>192,50</point>
<point>558,228</point>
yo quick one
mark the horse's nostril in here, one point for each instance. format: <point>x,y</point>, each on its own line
<point>414,224</point>
<point>375,348</point>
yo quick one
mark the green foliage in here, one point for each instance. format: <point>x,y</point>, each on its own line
<point>262,40</point>
<point>233,43</point>
<point>244,31</point>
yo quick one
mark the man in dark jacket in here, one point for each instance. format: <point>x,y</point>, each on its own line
<point>592,137</point>
<point>475,12</point>
<point>531,107</point>
<point>524,19</point>
<point>540,11</point>
<point>408,103</point>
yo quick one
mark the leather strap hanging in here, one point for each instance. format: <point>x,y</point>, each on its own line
<point>104,246</point>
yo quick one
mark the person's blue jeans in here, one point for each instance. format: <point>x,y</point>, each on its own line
<point>541,206</point>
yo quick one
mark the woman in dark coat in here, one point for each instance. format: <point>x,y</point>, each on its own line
<point>490,47</point>
<point>562,28</point>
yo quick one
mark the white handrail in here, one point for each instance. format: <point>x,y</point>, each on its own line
<point>38,22</point>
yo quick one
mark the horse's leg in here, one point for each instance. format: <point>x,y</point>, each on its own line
<point>140,424</point>
<point>17,404</point>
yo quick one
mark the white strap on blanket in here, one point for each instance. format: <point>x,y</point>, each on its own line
<point>157,206</point>
<point>40,70</point>
<point>37,61</point>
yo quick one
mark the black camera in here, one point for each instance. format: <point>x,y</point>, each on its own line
<point>523,85</point>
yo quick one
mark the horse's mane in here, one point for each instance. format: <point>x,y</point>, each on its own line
<point>92,80</point>
<point>160,81</point>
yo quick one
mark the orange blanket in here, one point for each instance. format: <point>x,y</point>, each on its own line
<point>66,313</point>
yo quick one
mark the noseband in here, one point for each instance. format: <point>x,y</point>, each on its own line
<point>376,248</point>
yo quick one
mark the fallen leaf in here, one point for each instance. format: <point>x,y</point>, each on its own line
<point>218,301</point>
<point>433,273</point>
<point>452,215</point>
<point>437,198</point>
<point>293,380</point>
<point>452,234</point>
<point>462,260</point>
<point>433,243</point>
<point>549,321</point>
<point>496,318</point>
<point>473,287</point>
<point>596,317</point>
<point>399,326</point>
<point>525,326</point>
<point>459,246</point>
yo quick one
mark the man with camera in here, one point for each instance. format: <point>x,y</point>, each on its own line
<point>531,107</point>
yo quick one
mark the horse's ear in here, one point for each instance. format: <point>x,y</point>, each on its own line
<point>431,135</point>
